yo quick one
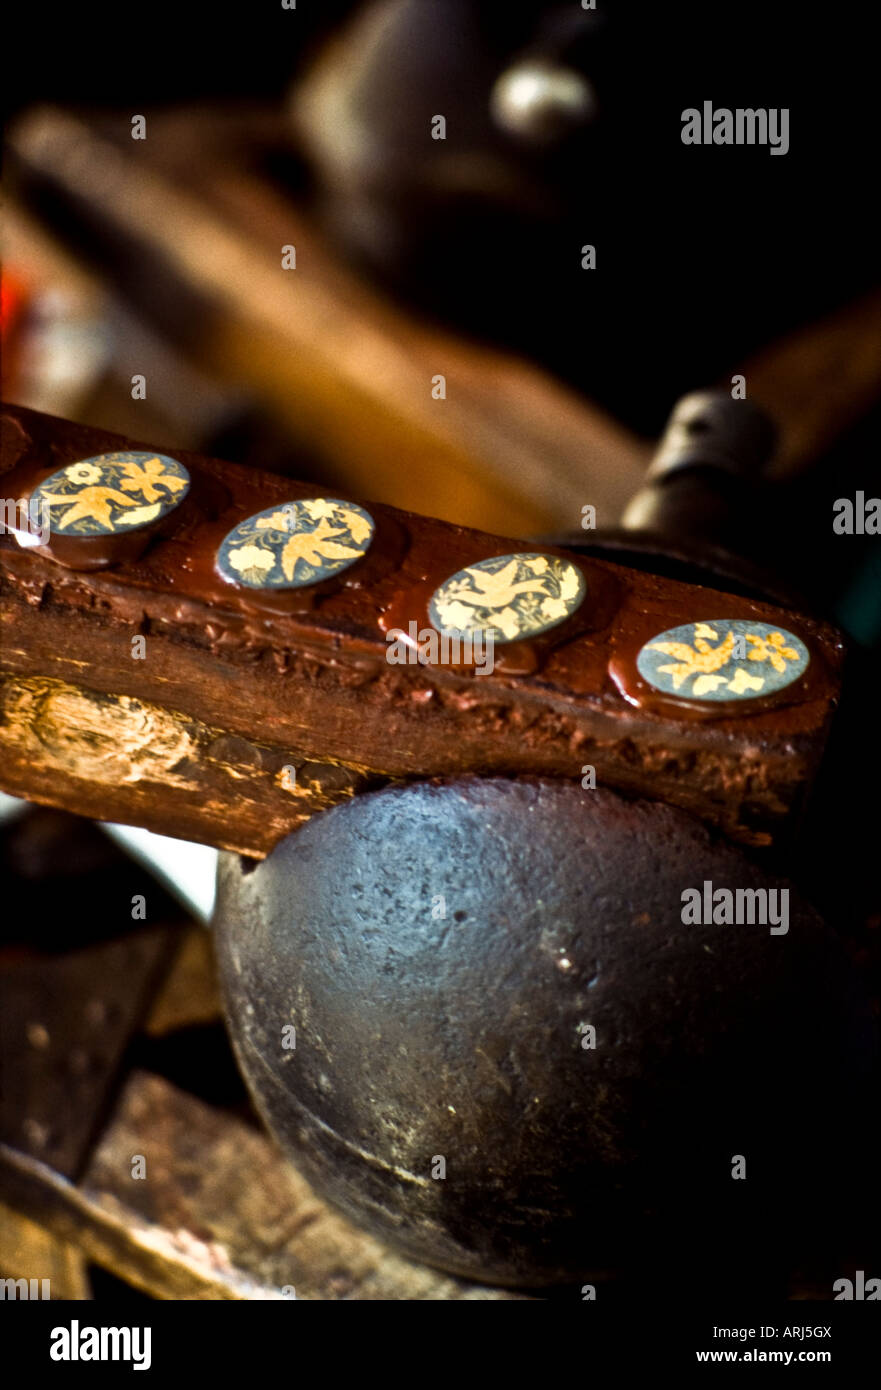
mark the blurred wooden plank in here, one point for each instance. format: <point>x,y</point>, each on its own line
<point>819,381</point>
<point>189,995</point>
<point>220,1213</point>
<point>350,373</point>
<point>27,1251</point>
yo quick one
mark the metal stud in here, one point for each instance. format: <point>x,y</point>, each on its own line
<point>295,544</point>
<point>510,597</point>
<point>723,660</point>
<point>110,494</point>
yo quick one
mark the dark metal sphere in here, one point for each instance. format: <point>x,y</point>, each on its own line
<point>442,951</point>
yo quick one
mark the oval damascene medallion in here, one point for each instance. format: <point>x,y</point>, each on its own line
<point>509,597</point>
<point>296,544</point>
<point>111,494</point>
<point>723,659</point>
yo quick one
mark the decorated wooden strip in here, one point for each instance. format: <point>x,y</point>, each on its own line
<point>246,695</point>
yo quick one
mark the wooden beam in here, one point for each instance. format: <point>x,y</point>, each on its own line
<point>195,738</point>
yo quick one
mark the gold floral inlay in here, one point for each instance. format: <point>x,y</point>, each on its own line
<point>112,493</point>
<point>724,660</point>
<point>509,596</point>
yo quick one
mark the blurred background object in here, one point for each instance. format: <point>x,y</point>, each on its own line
<point>435,340</point>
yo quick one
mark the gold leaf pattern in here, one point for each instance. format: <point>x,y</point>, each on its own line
<point>276,521</point>
<point>83,473</point>
<point>140,516</point>
<point>112,492</point>
<point>299,543</point>
<point>250,560</point>
<point>772,648</point>
<point>92,503</point>
<point>508,596</point>
<point>315,546</point>
<point>148,477</point>
<point>742,681</point>
<point>703,684</point>
<point>702,658</point>
<point>719,672</point>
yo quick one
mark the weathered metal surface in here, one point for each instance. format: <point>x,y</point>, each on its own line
<point>219,1213</point>
<point>479,1019</point>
